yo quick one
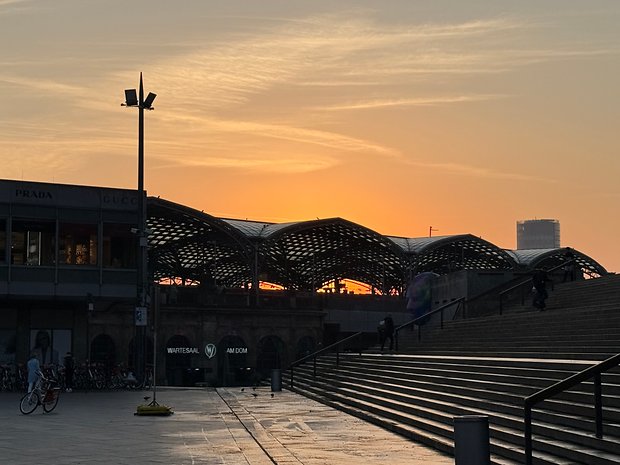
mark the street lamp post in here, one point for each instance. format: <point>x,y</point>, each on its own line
<point>133,99</point>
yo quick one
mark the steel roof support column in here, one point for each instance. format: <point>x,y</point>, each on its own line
<point>255,281</point>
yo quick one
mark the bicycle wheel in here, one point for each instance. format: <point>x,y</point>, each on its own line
<point>29,403</point>
<point>51,400</point>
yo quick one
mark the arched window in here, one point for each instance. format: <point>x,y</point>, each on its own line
<point>271,354</point>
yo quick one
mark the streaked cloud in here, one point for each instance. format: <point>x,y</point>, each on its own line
<point>327,139</point>
<point>412,102</point>
<point>214,88</point>
<point>12,6</point>
<point>208,91</point>
<point>5,3</point>
<point>41,85</point>
<point>479,172</point>
<point>283,164</point>
<point>323,51</point>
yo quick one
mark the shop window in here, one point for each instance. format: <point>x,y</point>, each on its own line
<point>78,244</point>
<point>50,345</point>
<point>119,246</point>
<point>8,338</point>
<point>32,242</point>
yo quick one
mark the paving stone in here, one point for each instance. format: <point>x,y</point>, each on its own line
<point>208,427</point>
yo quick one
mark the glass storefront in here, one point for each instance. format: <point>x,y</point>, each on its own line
<point>7,346</point>
<point>78,244</point>
<point>33,242</point>
<point>50,345</point>
<point>119,246</point>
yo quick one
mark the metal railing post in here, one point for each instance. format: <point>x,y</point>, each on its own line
<point>598,405</point>
<point>594,372</point>
<point>527,418</point>
<point>314,367</point>
<point>292,369</point>
<point>441,319</point>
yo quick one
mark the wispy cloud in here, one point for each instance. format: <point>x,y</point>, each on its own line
<point>332,51</point>
<point>290,81</point>
<point>307,136</point>
<point>306,149</point>
<point>479,172</point>
<point>47,86</point>
<point>412,102</point>
<point>322,51</point>
<point>4,3</point>
<point>12,6</point>
<point>283,164</point>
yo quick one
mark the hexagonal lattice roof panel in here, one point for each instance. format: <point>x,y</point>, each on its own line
<point>191,245</point>
<point>550,258</point>
<point>442,254</point>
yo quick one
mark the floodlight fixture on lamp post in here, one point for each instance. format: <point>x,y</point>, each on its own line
<point>136,99</point>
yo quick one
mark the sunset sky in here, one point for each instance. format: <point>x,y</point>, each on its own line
<point>397,114</point>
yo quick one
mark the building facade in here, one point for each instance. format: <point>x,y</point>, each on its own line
<point>68,282</point>
<point>538,234</point>
<point>63,250</point>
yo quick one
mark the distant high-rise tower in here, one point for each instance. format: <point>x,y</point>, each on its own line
<point>538,234</point>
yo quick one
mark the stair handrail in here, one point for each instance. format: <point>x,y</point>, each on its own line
<point>529,280</point>
<point>594,372</point>
<point>315,355</point>
<point>425,317</point>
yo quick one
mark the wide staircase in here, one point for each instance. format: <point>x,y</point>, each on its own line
<point>487,366</point>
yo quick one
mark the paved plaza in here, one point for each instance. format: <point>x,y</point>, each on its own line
<point>225,426</point>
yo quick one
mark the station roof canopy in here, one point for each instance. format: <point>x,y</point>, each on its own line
<point>443,254</point>
<point>551,258</point>
<point>192,246</point>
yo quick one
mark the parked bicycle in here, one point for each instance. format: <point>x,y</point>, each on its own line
<point>45,392</point>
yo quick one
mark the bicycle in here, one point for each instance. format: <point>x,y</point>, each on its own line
<point>45,393</point>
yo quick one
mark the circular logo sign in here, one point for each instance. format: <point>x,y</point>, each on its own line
<point>210,350</point>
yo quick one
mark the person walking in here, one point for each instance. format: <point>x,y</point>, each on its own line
<point>540,284</point>
<point>388,332</point>
<point>69,364</point>
<point>569,266</point>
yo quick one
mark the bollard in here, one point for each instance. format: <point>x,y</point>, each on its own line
<point>276,379</point>
<point>471,440</point>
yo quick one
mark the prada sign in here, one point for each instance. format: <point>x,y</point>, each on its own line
<point>67,196</point>
<point>33,194</point>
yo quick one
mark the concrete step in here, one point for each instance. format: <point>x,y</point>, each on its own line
<point>443,389</point>
<point>487,366</point>
<point>504,441</point>
<point>568,410</point>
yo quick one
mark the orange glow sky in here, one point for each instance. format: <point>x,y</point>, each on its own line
<point>397,115</point>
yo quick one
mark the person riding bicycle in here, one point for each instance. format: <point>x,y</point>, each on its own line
<point>34,369</point>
